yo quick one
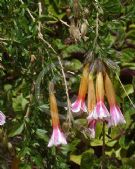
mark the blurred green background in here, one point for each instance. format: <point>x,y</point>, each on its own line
<point>32,36</point>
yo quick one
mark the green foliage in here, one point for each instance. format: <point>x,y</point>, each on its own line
<point>28,63</point>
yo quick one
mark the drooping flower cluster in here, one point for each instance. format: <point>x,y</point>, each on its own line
<point>96,105</point>
<point>95,85</point>
<point>100,111</point>
<point>57,137</point>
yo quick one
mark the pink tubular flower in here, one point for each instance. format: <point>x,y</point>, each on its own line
<point>116,114</point>
<point>91,94</point>
<point>93,115</point>
<point>2,118</point>
<point>101,111</point>
<point>57,138</point>
<point>91,107</point>
<point>79,104</point>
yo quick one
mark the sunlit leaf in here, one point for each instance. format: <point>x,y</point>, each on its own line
<point>76,159</point>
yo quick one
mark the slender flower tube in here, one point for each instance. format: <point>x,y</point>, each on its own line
<point>57,137</point>
<point>91,94</point>
<point>91,99</point>
<point>101,110</point>
<point>2,118</point>
<point>91,107</point>
<point>116,114</point>
<point>79,104</point>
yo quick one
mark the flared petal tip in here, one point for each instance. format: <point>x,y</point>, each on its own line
<point>83,107</point>
<point>57,138</point>
<point>78,105</point>
<point>2,119</point>
<point>112,123</point>
<point>102,112</point>
<point>117,117</point>
<point>92,115</point>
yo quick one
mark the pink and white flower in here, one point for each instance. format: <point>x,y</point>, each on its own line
<point>92,118</point>
<point>79,104</point>
<point>101,111</point>
<point>92,115</point>
<point>116,116</point>
<point>2,118</point>
<point>57,138</point>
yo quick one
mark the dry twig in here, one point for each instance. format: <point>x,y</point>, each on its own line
<point>40,36</point>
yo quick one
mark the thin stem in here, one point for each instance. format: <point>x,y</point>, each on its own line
<point>97,27</point>
<point>8,39</point>
<point>40,36</point>
<point>63,22</point>
<point>30,100</point>
<point>32,17</point>
<point>125,91</point>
